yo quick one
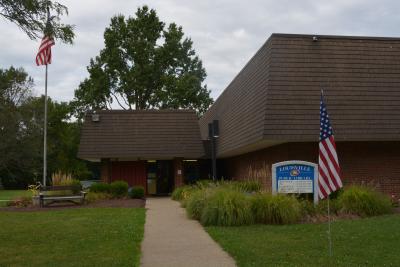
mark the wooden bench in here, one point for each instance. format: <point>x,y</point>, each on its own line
<point>52,194</point>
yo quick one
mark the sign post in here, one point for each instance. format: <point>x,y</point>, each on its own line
<point>295,177</point>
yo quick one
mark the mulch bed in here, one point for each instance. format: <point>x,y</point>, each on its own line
<point>112,203</point>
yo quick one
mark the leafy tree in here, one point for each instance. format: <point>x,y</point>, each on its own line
<point>31,17</point>
<point>144,65</point>
<point>18,146</point>
<point>21,133</point>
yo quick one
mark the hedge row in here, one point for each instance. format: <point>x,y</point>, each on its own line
<point>243,203</point>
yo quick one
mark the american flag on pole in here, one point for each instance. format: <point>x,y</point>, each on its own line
<point>43,57</point>
<point>328,165</point>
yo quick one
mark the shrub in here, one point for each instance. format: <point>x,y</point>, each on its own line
<point>277,209</point>
<point>119,189</point>
<point>136,192</point>
<point>196,203</point>
<point>364,201</point>
<point>95,196</point>
<point>100,188</point>
<point>226,207</point>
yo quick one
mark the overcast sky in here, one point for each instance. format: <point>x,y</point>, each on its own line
<point>225,33</point>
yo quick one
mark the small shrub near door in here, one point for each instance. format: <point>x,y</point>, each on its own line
<point>136,192</point>
<point>100,188</point>
<point>119,189</point>
<point>364,201</point>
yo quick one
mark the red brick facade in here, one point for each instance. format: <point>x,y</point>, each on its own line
<point>375,164</point>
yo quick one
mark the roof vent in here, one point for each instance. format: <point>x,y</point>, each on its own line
<point>95,117</point>
<point>314,38</point>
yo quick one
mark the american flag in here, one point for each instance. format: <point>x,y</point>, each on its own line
<point>328,165</point>
<point>43,57</point>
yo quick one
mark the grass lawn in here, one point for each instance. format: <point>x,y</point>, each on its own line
<point>365,242</point>
<point>12,194</point>
<point>72,237</point>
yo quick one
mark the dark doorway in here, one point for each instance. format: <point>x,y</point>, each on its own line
<point>191,169</point>
<point>165,177</point>
<point>160,177</point>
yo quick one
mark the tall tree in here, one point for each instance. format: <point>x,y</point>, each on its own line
<point>18,158</point>
<point>21,133</point>
<point>31,17</point>
<point>144,65</point>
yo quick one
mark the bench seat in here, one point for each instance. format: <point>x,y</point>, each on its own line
<point>49,199</point>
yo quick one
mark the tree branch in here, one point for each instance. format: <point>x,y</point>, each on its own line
<point>116,98</point>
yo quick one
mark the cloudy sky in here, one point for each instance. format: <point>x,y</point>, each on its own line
<point>225,33</point>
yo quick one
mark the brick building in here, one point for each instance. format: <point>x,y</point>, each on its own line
<point>270,113</point>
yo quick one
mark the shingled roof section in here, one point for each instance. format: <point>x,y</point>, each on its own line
<point>275,97</point>
<point>143,134</point>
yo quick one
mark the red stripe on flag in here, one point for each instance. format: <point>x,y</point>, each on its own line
<point>43,57</point>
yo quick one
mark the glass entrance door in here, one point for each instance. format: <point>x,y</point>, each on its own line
<point>160,177</point>
<point>151,177</point>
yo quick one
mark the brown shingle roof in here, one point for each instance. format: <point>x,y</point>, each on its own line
<point>275,98</point>
<point>149,134</point>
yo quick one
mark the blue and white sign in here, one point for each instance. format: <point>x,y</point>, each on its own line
<point>295,177</point>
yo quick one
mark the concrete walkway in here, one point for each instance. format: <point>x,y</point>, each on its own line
<point>172,240</point>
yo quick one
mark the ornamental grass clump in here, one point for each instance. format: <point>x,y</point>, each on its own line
<point>248,186</point>
<point>179,193</point>
<point>364,201</point>
<point>275,209</point>
<point>227,207</point>
<point>197,201</point>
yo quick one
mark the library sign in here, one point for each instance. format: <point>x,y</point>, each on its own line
<point>295,177</point>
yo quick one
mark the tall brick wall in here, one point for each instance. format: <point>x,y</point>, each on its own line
<point>375,164</point>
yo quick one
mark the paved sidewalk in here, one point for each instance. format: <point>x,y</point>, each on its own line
<point>172,240</point>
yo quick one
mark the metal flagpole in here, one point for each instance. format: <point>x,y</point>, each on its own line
<point>45,114</point>
<point>329,230</point>
<point>45,131</point>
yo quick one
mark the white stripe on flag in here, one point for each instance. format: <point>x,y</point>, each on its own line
<point>325,169</point>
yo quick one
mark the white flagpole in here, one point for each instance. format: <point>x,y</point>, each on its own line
<point>45,132</point>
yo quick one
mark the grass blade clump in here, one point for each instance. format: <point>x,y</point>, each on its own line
<point>364,201</point>
<point>249,186</point>
<point>227,207</point>
<point>181,192</point>
<point>196,203</point>
<point>275,209</point>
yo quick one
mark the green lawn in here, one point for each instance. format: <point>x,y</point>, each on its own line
<point>73,237</point>
<point>12,194</point>
<point>365,242</point>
